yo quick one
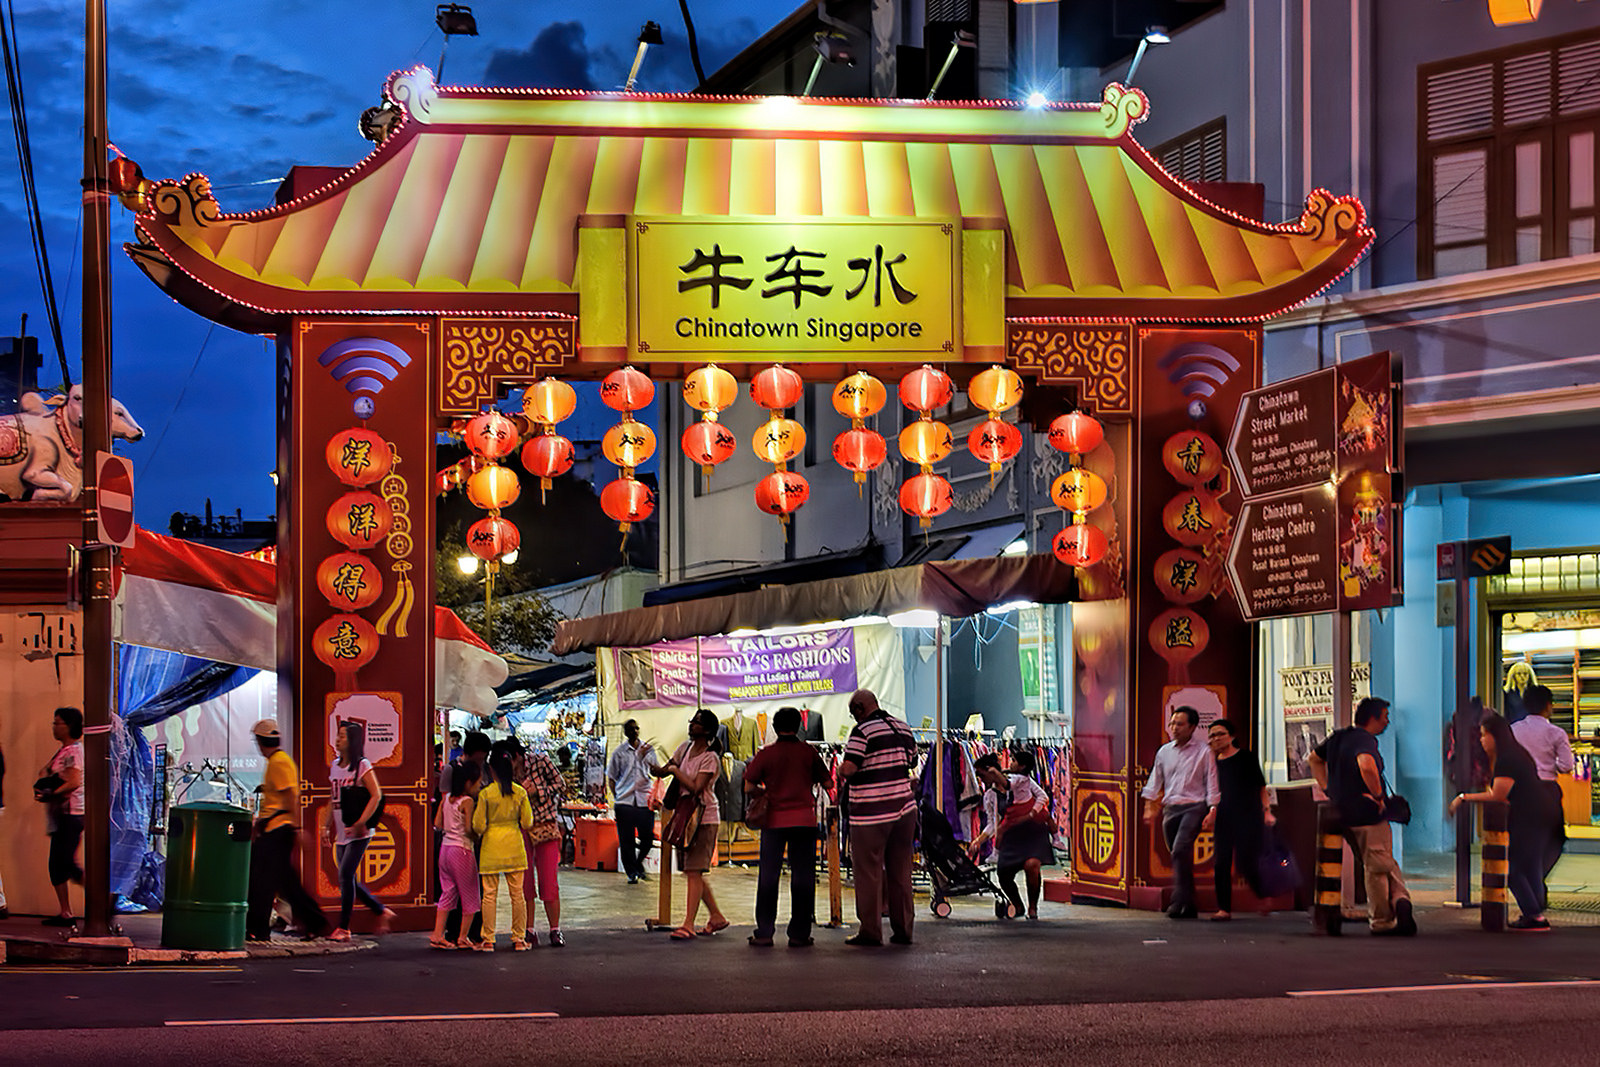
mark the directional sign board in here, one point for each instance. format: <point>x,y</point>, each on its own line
<point>1317,458</point>
<point>1474,559</point>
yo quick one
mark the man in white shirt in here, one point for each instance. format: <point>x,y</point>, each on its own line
<point>628,773</point>
<point>1183,790</point>
<point>1551,750</point>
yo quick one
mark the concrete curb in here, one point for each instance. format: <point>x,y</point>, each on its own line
<point>122,952</point>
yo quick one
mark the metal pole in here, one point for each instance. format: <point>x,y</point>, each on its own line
<point>1343,713</point>
<point>97,662</point>
<point>1464,729</point>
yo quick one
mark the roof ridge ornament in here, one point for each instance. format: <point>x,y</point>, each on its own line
<point>1122,108</point>
<point>185,204</point>
<point>413,91</point>
<point>1329,219</point>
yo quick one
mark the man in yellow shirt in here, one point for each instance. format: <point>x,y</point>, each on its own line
<point>277,828</point>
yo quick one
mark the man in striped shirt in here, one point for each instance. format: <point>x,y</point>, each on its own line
<point>877,764</point>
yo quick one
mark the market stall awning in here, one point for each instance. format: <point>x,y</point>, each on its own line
<point>471,206</point>
<point>954,588</point>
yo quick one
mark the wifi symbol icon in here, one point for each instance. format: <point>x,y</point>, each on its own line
<point>364,365</point>
<point>1198,370</point>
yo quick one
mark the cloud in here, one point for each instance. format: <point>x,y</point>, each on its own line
<point>559,58</point>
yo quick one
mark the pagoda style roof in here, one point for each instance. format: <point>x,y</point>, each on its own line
<point>472,203</point>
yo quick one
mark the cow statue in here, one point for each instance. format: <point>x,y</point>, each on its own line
<point>41,453</point>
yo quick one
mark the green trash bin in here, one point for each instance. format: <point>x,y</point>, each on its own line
<point>208,876</point>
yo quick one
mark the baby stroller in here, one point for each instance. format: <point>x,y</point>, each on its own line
<point>951,872</point>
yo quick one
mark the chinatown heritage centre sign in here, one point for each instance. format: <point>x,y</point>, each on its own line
<point>736,289</point>
<point>1318,460</point>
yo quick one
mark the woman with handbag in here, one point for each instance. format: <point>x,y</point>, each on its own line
<point>502,814</point>
<point>1240,821</point>
<point>546,790</point>
<point>693,768</point>
<point>1534,819</point>
<point>1017,815</point>
<point>781,784</point>
<point>60,789</point>
<point>347,823</point>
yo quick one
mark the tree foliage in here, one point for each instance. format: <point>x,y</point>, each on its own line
<point>522,619</point>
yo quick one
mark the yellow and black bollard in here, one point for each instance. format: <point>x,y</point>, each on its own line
<point>1327,912</point>
<point>1496,843</point>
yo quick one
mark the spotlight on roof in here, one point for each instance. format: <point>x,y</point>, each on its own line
<point>455,20</point>
<point>649,35</point>
<point>1153,35</point>
<point>1036,100</point>
<point>831,48</point>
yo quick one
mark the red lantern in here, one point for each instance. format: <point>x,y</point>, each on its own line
<point>547,456</point>
<point>859,397</point>
<point>777,388</point>
<point>493,537</point>
<point>349,581</point>
<point>779,440</point>
<point>782,493</point>
<point>1078,491</point>
<point>493,488</point>
<point>926,388</point>
<point>345,642</point>
<point>490,435</point>
<point>1183,576</point>
<point>860,450</point>
<point>710,389</point>
<point>628,443</point>
<point>358,457</point>
<point>548,401</point>
<point>926,495</point>
<point>925,442</point>
<point>360,520</point>
<point>708,443</point>
<point>627,501</point>
<point>444,481</point>
<point>994,441</point>
<point>626,389</point>
<point>1179,635</point>
<point>1191,457</point>
<point>1075,433</point>
<point>1080,545</point>
<point>1193,517</point>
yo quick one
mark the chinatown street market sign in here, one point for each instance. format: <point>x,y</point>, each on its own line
<point>766,288</point>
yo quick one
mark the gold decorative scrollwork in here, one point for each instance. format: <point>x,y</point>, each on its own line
<point>481,355</point>
<point>186,203</point>
<point>1330,219</point>
<point>414,91</point>
<point>1097,359</point>
<point>1121,107</point>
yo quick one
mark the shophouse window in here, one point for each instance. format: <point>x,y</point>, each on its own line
<point>1508,166</point>
<point>1201,155</point>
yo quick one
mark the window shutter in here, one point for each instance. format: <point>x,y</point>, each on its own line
<point>1526,93</point>
<point>1460,101</point>
<point>1578,78</point>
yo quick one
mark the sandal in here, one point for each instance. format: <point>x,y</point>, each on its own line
<point>439,942</point>
<point>682,933</point>
<point>712,926</point>
<point>465,945</point>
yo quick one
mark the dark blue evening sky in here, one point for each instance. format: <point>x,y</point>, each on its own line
<point>241,92</point>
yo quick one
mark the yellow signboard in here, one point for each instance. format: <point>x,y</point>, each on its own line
<point>794,289</point>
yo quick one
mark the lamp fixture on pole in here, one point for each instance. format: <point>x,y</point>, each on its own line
<point>1152,35</point>
<point>831,48</point>
<point>962,39</point>
<point>649,35</point>
<point>453,20</point>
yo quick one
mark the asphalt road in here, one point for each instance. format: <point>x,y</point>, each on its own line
<point>1095,985</point>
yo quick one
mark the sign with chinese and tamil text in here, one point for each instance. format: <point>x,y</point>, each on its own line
<point>761,289</point>
<point>725,670</point>
<point>1318,458</point>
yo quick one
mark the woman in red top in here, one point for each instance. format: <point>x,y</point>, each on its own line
<point>787,772</point>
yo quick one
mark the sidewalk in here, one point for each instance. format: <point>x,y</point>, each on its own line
<point>27,939</point>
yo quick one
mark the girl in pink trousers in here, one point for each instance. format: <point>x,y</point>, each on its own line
<point>458,867</point>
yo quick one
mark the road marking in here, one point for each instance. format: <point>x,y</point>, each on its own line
<point>365,1019</point>
<point>1439,988</point>
<point>136,970</point>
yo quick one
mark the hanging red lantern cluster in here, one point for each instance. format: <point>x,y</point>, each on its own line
<point>995,441</point>
<point>627,444</point>
<point>349,580</point>
<point>858,449</point>
<point>547,454</point>
<point>709,390</point>
<point>926,442</point>
<point>1078,491</point>
<point>779,440</point>
<point>490,437</point>
<point>1196,520</point>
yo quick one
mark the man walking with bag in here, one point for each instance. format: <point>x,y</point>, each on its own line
<point>1349,768</point>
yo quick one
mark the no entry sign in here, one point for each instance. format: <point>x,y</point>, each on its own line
<point>113,481</point>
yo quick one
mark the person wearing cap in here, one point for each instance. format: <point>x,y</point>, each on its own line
<point>277,828</point>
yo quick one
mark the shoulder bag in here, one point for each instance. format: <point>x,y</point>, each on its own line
<point>757,811</point>
<point>680,829</point>
<point>353,801</point>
